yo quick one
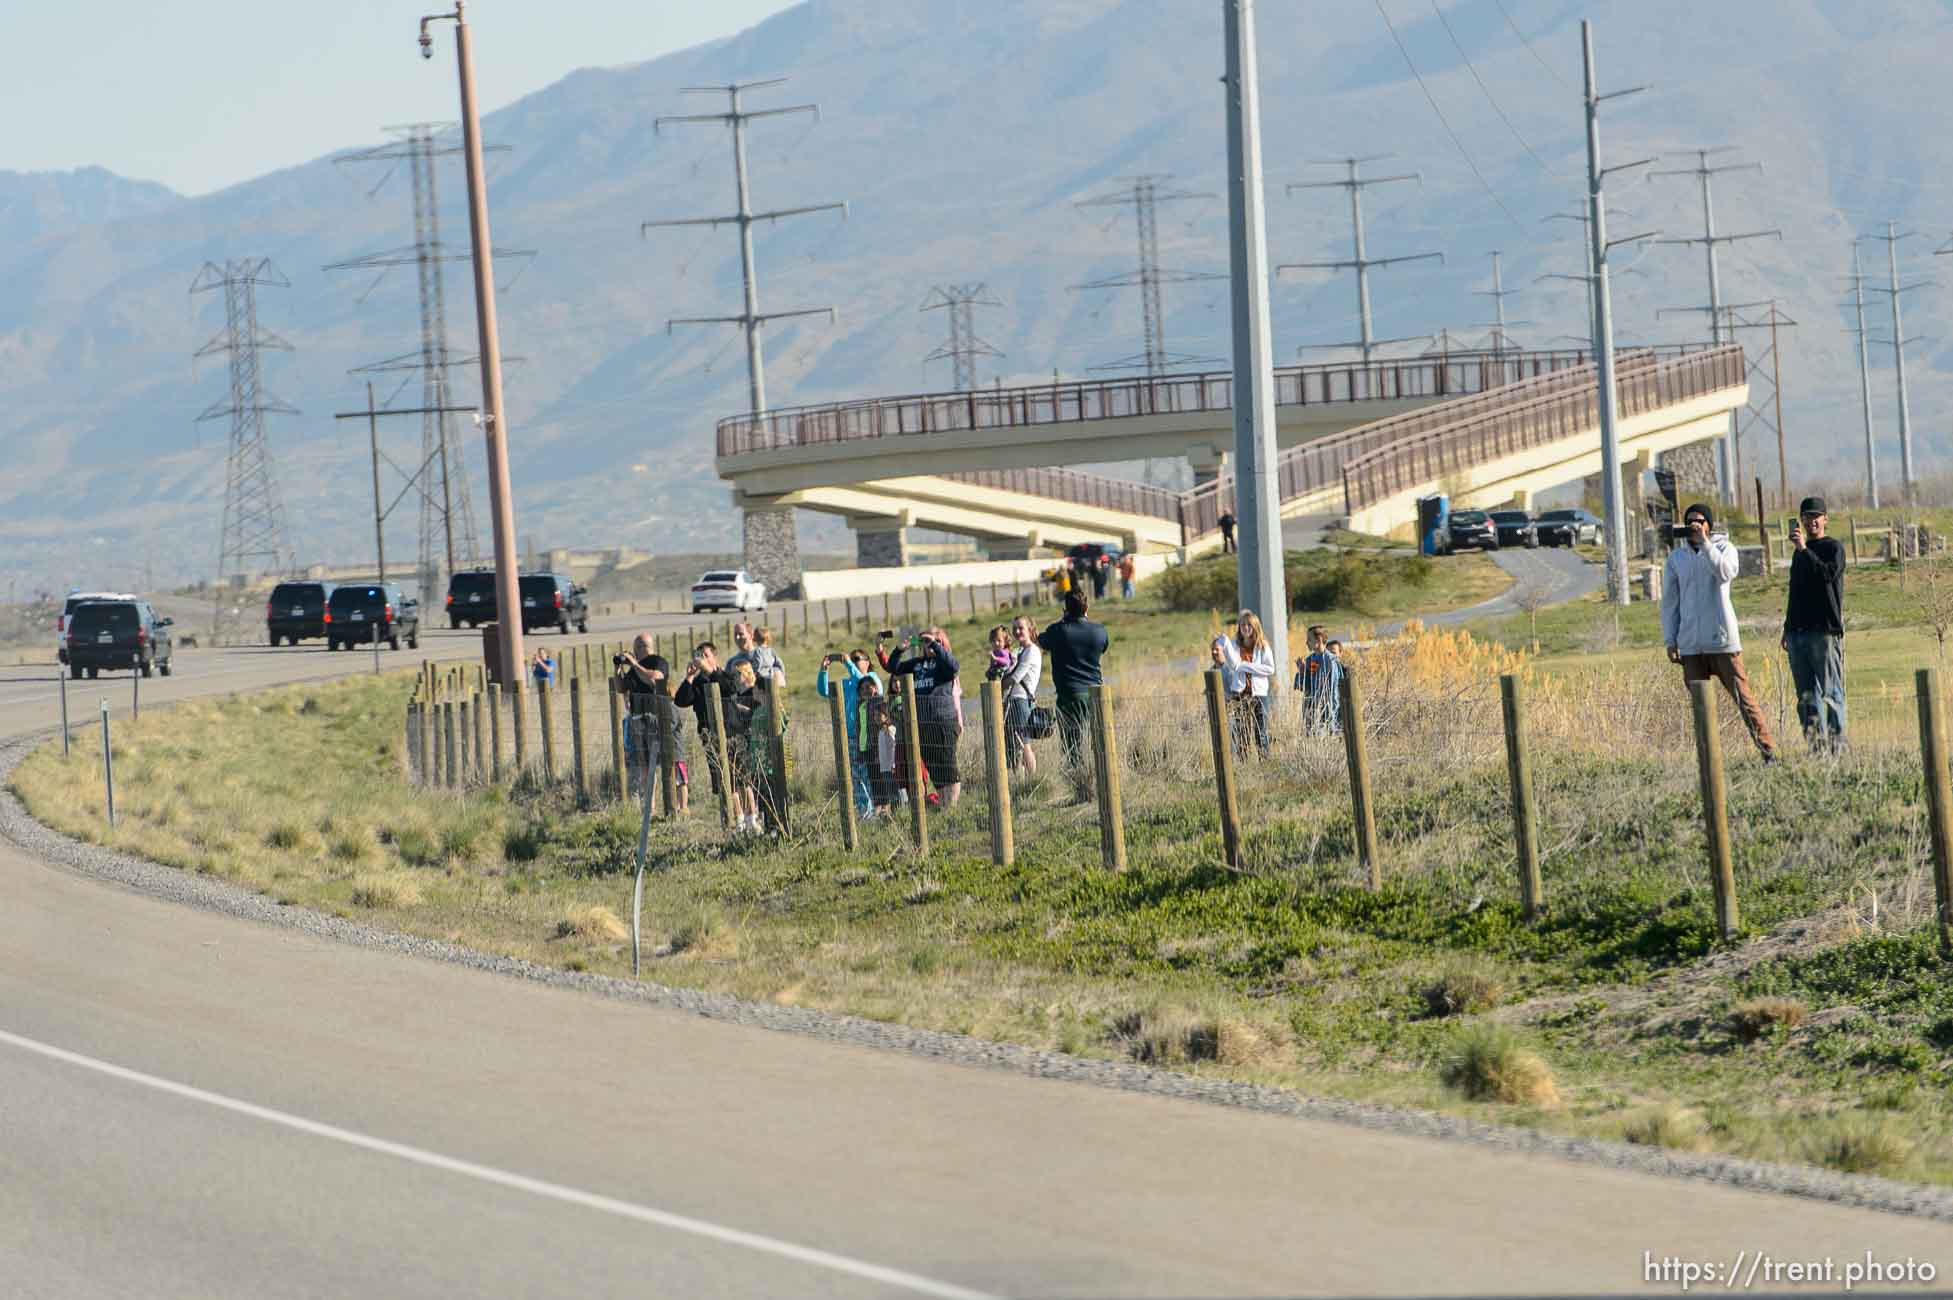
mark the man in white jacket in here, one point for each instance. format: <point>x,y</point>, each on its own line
<point>1699,624</point>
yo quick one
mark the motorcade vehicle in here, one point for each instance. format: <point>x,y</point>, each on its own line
<point>728,589</point>
<point>1515,528</point>
<point>552,600</point>
<point>1086,555</point>
<point>1472,530</point>
<point>68,607</point>
<point>1569,527</point>
<point>471,598</point>
<point>118,633</point>
<point>296,610</point>
<point>359,612</point>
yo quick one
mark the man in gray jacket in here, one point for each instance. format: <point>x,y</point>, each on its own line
<point>1699,624</point>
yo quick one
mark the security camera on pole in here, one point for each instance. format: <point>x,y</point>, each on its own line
<point>495,430</point>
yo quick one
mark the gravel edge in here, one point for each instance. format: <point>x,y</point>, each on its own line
<point>176,886</point>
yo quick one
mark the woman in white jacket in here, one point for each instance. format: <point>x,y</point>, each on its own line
<point>1698,622</point>
<point>1247,668</point>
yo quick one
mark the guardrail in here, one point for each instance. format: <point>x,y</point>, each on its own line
<point>1074,487</point>
<point>1451,375</point>
<point>1420,458</point>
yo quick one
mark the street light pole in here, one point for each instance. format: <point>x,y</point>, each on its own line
<point>508,598</point>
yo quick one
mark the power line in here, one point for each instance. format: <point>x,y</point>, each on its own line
<point>1442,120</point>
<point>1545,166</point>
<point>1551,71</point>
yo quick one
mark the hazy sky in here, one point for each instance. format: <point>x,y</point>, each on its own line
<point>200,94</point>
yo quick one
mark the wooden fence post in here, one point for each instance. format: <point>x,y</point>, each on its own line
<point>447,743</point>
<point>1363,809</point>
<point>494,732</point>
<point>413,743</point>
<point>1853,521</point>
<point>888,619</point>
<point>464,718</point>
<point>667,721</point>
<point>929,604</point>
<point>1003,836</point>
<point>546,723</point>
<point>1715,804</point>
<point>843,763</point>
<point>912,751</point>
<point>518,715</point>
<point>576,739</point>
<point>1939,801</point>
<point>716,758</point>
<point>1519,773</point>
<point>481,757</point>
<point>1762,528</point>
<point>1217,734</point>
<point>777,812</point>
<point>619,781</point>
<point>1105,755</point>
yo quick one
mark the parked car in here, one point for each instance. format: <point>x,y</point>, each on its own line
<point>1568,528</point>
<point>118,633</point>
<point>68,608</point>
<point>471,598</point>
<point>1516,528</point>
<point>296,610</point>
<point>728,589</point>
<point>1472,530</point>
<point>359,612</point>
<point>552,600</point>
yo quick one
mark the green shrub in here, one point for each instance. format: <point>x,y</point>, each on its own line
<point>1317,580</point>
<point>1490,1062</point>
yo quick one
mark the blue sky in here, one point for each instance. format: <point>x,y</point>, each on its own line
<point>201,94</point>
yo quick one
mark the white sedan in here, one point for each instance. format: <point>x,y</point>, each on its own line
<point>728,589</point>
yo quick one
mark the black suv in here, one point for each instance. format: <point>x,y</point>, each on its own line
<point>1516,528</point>
<point>117,634</point>
<point>361,612</point>
<point>296,610</point>
<point>471,598</point>
<point>551,600</point>
<point>1472,528</point>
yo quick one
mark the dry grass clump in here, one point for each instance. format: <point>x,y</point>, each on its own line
<point>599,923</point>
<point>1863,1146</point>
<point>385,890</point>
<point>1174,1034</point>
<point>351,844</point>
<point>705,933</point>
<point>1491,1062</point>
<point>288,835</point>
<point>1464,988</point>
<point>1753,1019</point>
<point>1675,1127</point>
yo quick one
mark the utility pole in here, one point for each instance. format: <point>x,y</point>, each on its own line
<point>1864,378</point>
<point>1610,444</point>
<point>254,516</point>
<point>959,302</point>
<point>1895,290</point>
<point>1144,197</point>
<point>1498,293</point>
<point>495,429</point>
<point>1709,240</point>
<point>1356,183</point>
<point>771,548</point>
<point>415,481</point>
<point>1262,581</point>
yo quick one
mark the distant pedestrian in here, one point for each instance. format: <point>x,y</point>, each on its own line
<point>1075,647</point>
<point>640,677</point>
<point>1698,623</point>
<point>1226,522</point>
<point>1101,569</point>
<point>1020,693</point>
<point>1319,679</point>
<point>542,668</point>
<point>1813,626</point>
<point>877,745</point>
<point>745,750</point>
<point>1247,671</point>
<point>1128,570</point>
<point>703,675</point>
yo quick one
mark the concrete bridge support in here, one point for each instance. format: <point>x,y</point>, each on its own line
<point>1695,471</point>
<point>772,551</point>
<point>881,543</point>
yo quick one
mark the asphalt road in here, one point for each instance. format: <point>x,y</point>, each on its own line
<point>194,1105</point>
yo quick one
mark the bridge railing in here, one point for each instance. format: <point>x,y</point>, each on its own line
<point>1461,444</point>
<point>1075,487</point>
<point>1453,375</point>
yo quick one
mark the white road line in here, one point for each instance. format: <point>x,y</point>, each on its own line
<point>518,1182</point>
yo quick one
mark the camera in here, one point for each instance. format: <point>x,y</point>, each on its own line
<point>1678,532</point>
<point>620,660</point>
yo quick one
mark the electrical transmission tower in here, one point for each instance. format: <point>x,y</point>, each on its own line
<point>254,536</point>
<point>1895,290</point>
<point>447,513</point>
<point>1709,240</point>
<point>1144,199</point>
<point>1857,278</point>
<point>1356,183</point>
<point>1498,293</point>
<point>772,550</point>
<point>959,302</point>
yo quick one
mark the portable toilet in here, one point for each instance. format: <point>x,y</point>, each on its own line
<point>1434,525</point>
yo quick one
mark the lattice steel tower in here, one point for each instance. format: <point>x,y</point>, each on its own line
<point>1144,199</point>
<point>254,537</point>
<point>959,302</point>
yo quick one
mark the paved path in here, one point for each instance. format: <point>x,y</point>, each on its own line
<point>1559,570</point>
<point>195,1105</point>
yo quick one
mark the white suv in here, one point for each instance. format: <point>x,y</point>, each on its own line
<point>75,597</point>
<point>728,589</point>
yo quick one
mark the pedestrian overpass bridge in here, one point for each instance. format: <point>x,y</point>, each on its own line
<point>1359,444</point>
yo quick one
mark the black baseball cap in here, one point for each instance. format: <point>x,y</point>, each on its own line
<point>1813,506</point>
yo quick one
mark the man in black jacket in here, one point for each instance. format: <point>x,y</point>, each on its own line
<point>702,676</point>
<point>1073,647</point>
<point>1813,626</point>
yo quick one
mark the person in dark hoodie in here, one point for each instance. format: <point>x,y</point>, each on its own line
<point>1813,626</point>
<point>702,676</point>
<point>929,661</point>
<point>1073,648</point>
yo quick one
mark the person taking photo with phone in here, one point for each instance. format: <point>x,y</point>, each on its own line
<point>1813,626</point>
<point>929,661</point>
<point>1698,623</point>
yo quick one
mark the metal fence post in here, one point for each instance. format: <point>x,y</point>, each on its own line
<point>619,781</point>
<point>1519,773</point>
<point>1217,735</point>
<point>1939,801</point>
<point>1356,746</point>
<point>1105,753</point>
<point>135,697</point>
<point>62,671</point>
<point>912,752</point>
<point>108,766</point>
<point>1715,804</point>
<point>843,765</point>
<point>1003,836</point>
